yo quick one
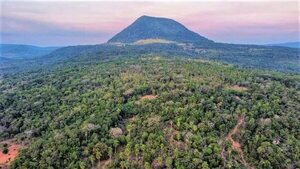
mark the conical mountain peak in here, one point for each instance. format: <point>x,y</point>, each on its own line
<point>148,27</point>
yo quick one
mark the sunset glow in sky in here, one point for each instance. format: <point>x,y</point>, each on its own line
<point>59,23</point>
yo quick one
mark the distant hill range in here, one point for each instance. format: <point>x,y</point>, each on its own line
<point>154,36</point>
<point>19,51</point>
<point>155,29</point>
<point>287,44</point>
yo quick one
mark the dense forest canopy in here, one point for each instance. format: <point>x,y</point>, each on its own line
<point>151,111</point>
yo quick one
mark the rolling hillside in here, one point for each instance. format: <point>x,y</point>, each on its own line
<point>16,51</point>
<point>288,44</point>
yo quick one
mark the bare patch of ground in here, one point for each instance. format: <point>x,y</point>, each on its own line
<point>103,164</point>
<point>150,41</point>
<point>13,151</point>
<point>148,97</point>
<point>117,44</point>
<point>170,132</point>
<point>237,88</point>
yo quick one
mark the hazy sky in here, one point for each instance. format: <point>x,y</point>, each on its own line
<point>92,22</point>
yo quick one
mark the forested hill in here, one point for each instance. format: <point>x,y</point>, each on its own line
<point>246,56</point>
<point>147,27</point>
<point>19,51</point>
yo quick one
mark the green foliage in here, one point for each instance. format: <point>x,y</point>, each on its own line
<point>70,110</point>
<point>100,151</point>
<point>5,150</point>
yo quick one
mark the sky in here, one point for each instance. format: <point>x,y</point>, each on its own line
<point>61,23</point>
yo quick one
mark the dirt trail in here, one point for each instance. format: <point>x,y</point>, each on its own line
<point>235,144</point>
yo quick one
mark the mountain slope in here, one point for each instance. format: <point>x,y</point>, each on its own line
<point>23,51</point>
<point>147,27</point>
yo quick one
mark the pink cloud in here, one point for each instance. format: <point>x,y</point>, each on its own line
<point>221,21</point>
